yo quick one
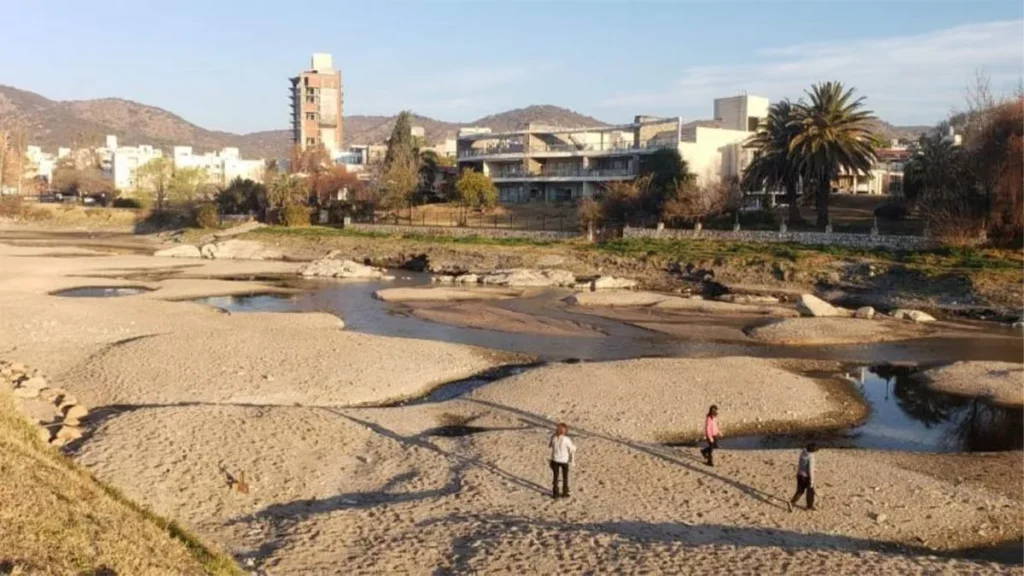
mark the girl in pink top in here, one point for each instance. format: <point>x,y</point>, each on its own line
<point>711,434</point>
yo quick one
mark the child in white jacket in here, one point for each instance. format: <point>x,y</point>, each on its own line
<point>563,452</point>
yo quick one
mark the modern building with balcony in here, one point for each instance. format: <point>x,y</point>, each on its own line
<point>555,164</point>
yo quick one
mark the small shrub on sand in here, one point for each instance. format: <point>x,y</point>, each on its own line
<point>206,216</point>
<point>295,215</point>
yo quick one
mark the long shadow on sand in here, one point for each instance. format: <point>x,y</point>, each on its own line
<point>485,529</point>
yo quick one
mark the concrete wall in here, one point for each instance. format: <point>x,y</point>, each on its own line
<point>806,238</point>
<point>714,154</point>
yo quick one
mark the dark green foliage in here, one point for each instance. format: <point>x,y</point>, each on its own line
<point>242,197</point>
<point>294,215</point>
<point>205,215</point>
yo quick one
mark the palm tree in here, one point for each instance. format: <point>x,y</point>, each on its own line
<point>773,165</point>
<point>834,134</point>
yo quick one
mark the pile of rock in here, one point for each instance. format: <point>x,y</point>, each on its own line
<point>225,250</point>
<point>61,415</point>
<point>608,283</point>
<point>813,306</point>
<point>514,278</point>
<point>330,267</point>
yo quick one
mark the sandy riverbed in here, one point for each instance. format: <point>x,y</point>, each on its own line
<point>1001,381</point>
<point>348,490</point>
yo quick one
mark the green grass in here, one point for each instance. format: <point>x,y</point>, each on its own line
<point>330,231</point>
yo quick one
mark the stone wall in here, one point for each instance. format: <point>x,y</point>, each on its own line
<point>807,238</point>
<point>456,231</point>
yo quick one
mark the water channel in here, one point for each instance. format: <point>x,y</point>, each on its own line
<point>905,415</point>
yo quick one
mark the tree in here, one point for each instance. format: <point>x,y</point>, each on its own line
<point>399,176</point>
<point>999,158</point>
<point>88,180</point>
<point>693,203</point>
<point>154,178</point>
<point>624,201</point>
<point>243,196</point>
<point>774,166</point>
<point>401,147</point>
<point>185,185</point>
<point>667,170</point>
<point>833,134</point>
<point>286,190</point>
<point>312,160</point>
<point>475,190</point>
<point>430,165</point>
<point>328,184</point>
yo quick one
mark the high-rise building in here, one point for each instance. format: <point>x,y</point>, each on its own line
<point>317,106</point>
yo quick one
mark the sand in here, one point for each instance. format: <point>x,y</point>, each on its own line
<point>183,396</point>
<point>667,398</point>
<point>477,315</point>
<point>1001,381</point>
<point>827,331</point>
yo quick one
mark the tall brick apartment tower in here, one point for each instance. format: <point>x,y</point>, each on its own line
<point>317,106</point>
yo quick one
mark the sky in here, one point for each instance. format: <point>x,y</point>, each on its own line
<point>225,65</point>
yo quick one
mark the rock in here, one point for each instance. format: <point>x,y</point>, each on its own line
<point>527,277</point>
<point>878,517</point>
<point>45,435</point>
<point>748,299</point>
<point>53,395</point>
<point>810,305</point>
<point>1018,324</point>
<point>331,268</point>
<point>35,382</point>
<point>864,313</point>
<point>467,279</point>
<point>239,250</point>
<point>912,315</point>
<point>180,251</point>
<point>443,294</point>
<point>26,392</point>
<point>66,402</point>
<point>67,434</point>
<point>612,283</point>
<point>75,412</point>
<point>443,279</point>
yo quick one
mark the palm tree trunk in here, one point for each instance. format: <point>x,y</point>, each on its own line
<point>822,199</point>
<point>794,208</point>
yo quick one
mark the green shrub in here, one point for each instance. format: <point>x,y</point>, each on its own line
<point>294,215</point>
<point>127,203</point>
<point>206,215</point>
<point>759,220</point>
<point>895,211</point>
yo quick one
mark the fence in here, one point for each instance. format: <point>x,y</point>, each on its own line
<point>475,221</point>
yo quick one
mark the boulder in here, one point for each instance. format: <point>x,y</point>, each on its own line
<point>748,299</point>
<point>45,434</point>
<point>331,268</point>
<point>67,434</point>
<point>912,315</point>
<point>66,401</point>
<point>180,251</point>
<point>75,412</point>
<point>810,305</point>
<point>26,392</point>
<point>53,395</point>
<point>529,278</point>
<point>239,250</point>
<point>443,279</point>
<point>864,313</point>
<point>467,279</point>
<point>612,283</point>
<point>38,383</point>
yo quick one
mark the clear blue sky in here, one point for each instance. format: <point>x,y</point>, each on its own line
<point>224,65</point>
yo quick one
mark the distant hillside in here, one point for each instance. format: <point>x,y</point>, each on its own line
<point>53,123</point>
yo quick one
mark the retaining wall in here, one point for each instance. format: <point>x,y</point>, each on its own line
<point>808,238</point>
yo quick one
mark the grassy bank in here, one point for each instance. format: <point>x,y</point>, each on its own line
<point>56,518</point>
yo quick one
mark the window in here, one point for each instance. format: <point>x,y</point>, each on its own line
<point>310,115</point>
<point>310,99</point>
<point>310,141</point>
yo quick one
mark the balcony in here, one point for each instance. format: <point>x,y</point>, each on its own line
<point>565,149</point>
<point>566,174</point>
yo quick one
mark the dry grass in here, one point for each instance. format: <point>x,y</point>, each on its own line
<point>533,216</point>
<point>57,519</point>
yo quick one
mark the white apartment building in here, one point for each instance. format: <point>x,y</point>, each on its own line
<point>39,163</point>
<point>545,163</point>
<point>221,167</point>
<point>125,161</point>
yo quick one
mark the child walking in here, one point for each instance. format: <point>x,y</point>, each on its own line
<point>563,452</point>
<point>711,434</point>
<point>805,477</point>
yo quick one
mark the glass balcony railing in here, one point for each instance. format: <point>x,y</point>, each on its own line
<point>565,173</point>
<point>519,149</point>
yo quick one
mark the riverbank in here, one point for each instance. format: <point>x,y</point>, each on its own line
<point>184,398</point>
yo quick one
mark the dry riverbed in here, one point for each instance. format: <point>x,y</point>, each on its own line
<point>185,398</point>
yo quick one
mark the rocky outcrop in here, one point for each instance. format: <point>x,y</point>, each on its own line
<point>180,251</point>
<point>50,408</point>
<point>810,305</point>
<point>239,250</point>
<point>613,283</point>
<point>748,299</point>
<point>629,298</point>
<point>912,315</point>
<point>529,278</point>
<point>341,268</point>
<point>864,313</point>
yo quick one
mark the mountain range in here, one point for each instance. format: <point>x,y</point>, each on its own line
<point>80,123</point>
